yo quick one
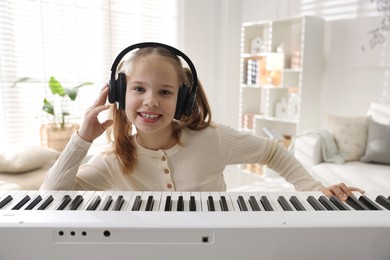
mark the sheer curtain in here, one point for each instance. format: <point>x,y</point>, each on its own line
<point>74,41</point>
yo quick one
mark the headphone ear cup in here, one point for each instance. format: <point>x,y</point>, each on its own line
<point>182,98</point>
<point>121,88</point>
<point>112,91</point>
<point>190,104</point>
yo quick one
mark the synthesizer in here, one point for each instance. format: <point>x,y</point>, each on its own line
<point>192,225</point>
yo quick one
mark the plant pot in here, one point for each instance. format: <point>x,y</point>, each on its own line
<point>56,137</point>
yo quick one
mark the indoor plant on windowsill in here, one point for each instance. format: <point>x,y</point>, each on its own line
<point>56,130</point>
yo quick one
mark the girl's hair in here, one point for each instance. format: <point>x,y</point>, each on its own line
<point>121,131</point>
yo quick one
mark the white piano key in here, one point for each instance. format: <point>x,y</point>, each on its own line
<point>157,199</point>
<point>87,197</point>
<point>133,199</point>
<point>216,197</point>
<point>234,200</point>
<point>186,198</point>
<point>144,197</point>
<point>128,195</point>
<point>203,198</point>
<point>163,201</point>
<point>174,198</point>
<point>273,198</point>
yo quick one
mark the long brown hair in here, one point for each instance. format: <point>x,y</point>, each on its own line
<point>120,133</point>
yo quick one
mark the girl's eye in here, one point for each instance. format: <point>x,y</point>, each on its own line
<point>139,89</point>
<point>165,92</point>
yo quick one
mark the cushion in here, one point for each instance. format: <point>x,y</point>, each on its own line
<point>378,143</point>
<point>350,134</point>
<point>25,158</point>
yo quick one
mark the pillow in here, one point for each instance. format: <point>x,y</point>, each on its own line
<point>25,158</point>
<point>378,143</point>
<point>350,134</point>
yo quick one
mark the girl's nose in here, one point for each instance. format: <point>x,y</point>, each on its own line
<point>150,100</point>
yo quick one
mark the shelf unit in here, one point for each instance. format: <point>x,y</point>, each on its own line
<point>281,72</point>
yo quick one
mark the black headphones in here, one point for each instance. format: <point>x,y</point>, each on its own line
<point>186,98</point>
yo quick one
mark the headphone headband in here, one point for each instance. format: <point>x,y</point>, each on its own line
<point>155,45</point>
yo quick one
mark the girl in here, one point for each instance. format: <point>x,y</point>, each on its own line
<point>166,154</point>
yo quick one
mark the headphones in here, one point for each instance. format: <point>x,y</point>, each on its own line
<point>186,97</point>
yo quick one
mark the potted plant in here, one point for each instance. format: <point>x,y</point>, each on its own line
<point>57,131</point>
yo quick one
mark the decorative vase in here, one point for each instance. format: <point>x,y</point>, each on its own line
<point>56,137</point>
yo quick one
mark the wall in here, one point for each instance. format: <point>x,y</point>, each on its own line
<point>352,79</point>
<point>211,38</point>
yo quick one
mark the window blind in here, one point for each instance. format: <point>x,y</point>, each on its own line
<point>75,41</point>
<point>340,9</point>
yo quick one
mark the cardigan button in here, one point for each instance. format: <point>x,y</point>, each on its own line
<point>164,158</point>
<point>169,186</point>
<point>166,171</point>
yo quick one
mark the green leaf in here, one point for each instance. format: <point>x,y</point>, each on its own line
<point>21,80</point>
<point>48,107</point>
<point>56,87</point>
<point>71,93</point>
<point>84,84</point>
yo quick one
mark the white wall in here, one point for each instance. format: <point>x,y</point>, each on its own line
<point>211,38</point>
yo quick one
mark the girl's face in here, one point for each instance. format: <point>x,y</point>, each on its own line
<point>151,95</point>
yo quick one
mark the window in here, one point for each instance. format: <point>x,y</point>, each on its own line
<point>74,41</point>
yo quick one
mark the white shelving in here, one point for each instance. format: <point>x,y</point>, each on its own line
<point>281,60</point>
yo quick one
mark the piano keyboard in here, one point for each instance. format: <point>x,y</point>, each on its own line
<point>186,201</point>
<point>101,225</point>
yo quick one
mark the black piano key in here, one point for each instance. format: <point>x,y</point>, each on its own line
<point>283,202</point>
<point>314,203</point>
<point>297,203</point>
<point>355,203</point>
<point>223,203</point>
<point>64,202</point>
<point>107,203</point>
<point>252,201</point>
<point>242,204</point>
<point>95,203</point>
<point>210,203</point>
<point>266,204</point>
<point>137,203</point>
<point>34,203</point>
<point>180,204</point>
<point>192,203</point>
<point>369,203</point>
<point>76,202</point>
<point>118,203</point>
<point>168,204</point>
<point>326,203</point>
<point>46,203</point>
<point>21,203</point>
<point>149,203</point>
<point>383,201</point>
<point>5,201</point>
<point>338,203</point>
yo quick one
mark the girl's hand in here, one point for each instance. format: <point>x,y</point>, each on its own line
<point>91,128</point>
<point>340,190</point>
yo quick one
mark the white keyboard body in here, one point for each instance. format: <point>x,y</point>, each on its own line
<point>201,234</point>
